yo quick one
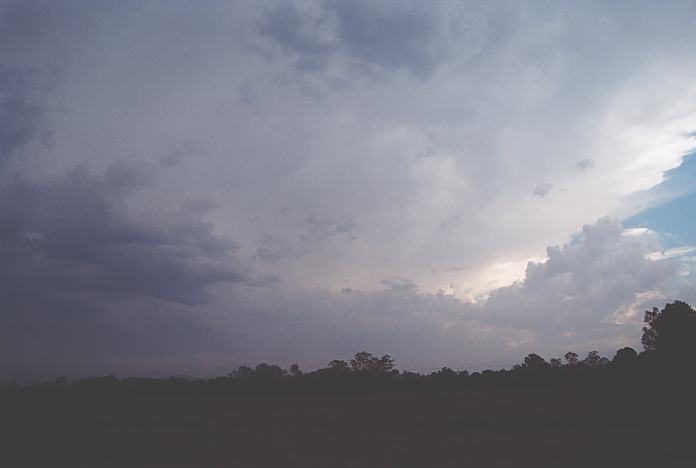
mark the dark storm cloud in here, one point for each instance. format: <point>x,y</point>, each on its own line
<point>392,36</point>
<point>296,31</point>
<point>179,153</point>
<point>76,233</point>
<point>89,283</point>
<point>44,29</point>
<point>22,108</point>
<point>274,247</point>
<point>317,229</point>
<point>44,334</point>
<point>386,36</point>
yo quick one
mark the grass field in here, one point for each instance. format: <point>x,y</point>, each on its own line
<point>554,427</point>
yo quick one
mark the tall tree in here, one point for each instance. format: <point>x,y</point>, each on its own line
<point>365,362</point>
<point>339,366</point>
<point>295,370</point>
<point>671,331</point>
<point>625,356</point>
<point>534,361</point>
<point>571,358</point>
<point>593,359</point>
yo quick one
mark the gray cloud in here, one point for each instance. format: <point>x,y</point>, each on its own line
<point>304,125</point>
<point>398,283</point>
<point>45,334</point>
<point>273,248</point>
<point>586,164</point>
<point>23,108</point>
<point>295,30</point>
<point>76,233</point>
<point>319,229</point>
<point>89,283</point>
<point>542,190</point>
<point>383,36</point>
<point>179,153</point>
<point>312,326</point>
<point>451,222</point>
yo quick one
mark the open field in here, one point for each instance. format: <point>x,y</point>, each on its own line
<point>555,427</point>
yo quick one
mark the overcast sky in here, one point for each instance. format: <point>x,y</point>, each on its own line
<point>190,186</point>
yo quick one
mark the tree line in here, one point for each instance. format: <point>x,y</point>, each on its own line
<point>668,358</point>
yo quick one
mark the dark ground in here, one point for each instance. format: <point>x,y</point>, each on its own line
<point>544,427</point>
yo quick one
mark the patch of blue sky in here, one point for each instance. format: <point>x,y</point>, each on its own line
<point>575,239</point>
<point>673,209</point>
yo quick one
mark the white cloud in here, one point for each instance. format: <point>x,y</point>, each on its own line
<point>632,312</point>
<point>579,285</point>
<point>670,253</point>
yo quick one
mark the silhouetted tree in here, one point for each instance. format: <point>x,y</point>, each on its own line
<point>339,365</point>
<point>269,372</point>
<point>571,358</point>
<point>365,362</point>
<point>385,364</point>
<point>444,373</point>
<point>534,361</point>
<point>362,362</point>
<point>295,370</point>
<point>592,359</point>
<point>243,372</point>
<point>672,331</point>
<point>555,362</point>
<point>625,356</point>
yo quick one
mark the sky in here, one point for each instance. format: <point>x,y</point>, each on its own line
<point>186,187</point>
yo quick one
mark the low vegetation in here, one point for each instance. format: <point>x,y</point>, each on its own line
<point>633,410</point>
